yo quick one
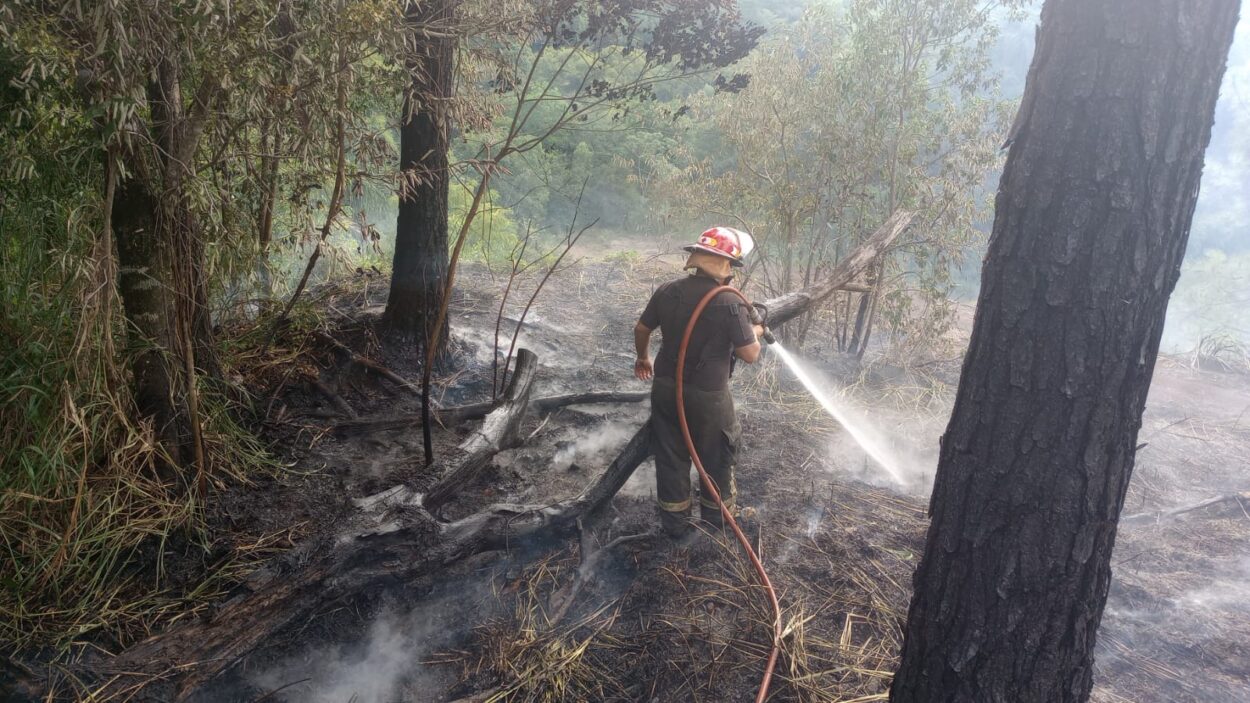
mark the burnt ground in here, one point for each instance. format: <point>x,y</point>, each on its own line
<point>651,620</point>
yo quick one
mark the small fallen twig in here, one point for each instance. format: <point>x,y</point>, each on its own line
<point>589,558</point>
<point>280,689</point>
<point>366,362</point>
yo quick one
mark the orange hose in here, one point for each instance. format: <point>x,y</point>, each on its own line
<point>711,489</point>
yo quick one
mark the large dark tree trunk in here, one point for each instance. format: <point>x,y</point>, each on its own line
<point>421,245</point>
<point>142,281</point>
<point>1092,217</point>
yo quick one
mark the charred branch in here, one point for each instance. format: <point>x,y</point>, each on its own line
<point>791,305</point>
<point>474,411</point>
<point>1241,499</point>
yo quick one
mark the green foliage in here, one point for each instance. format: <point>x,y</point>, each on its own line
<point>493,237</point>
<point>898,110</point>
<point>624,257</point>
<point>79,498</point>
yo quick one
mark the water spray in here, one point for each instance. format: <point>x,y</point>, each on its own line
<point>871,445</point>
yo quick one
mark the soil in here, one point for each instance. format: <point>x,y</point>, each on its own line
<point>658,620</point>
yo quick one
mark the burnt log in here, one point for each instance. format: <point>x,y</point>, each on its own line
<point>1241,499</point>
<point>791,305</point>
<point>392,542</point>
<point>474,411</point>
<point>498,432</point>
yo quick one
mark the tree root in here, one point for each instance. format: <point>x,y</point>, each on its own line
<point>366,362</point>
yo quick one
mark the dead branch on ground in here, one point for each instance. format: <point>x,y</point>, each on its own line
<point>474,411</point>
<point>366,362</point>
<point>1242,499</point>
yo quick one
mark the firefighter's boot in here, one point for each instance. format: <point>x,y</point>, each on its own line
<point>676,523</point>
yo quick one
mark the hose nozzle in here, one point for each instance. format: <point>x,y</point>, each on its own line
<point>759,314</point>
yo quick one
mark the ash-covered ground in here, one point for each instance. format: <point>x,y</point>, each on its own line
<point>651,620</point>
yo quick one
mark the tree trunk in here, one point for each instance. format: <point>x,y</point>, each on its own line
<point>143,263</point>
<point>1091,221</point>
<point>419,267</point>
<point>160,267</point>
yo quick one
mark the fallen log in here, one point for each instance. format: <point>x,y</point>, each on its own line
<point>791,305</point>
<point>1242,499</point>
<point>460,413</point>
<point>393,545</point>
<point>498,432</point>
<point>394,539</point>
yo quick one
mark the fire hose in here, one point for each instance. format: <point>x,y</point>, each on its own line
<point>710,488</point>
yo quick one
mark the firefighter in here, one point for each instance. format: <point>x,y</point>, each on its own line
<point>724,332</point>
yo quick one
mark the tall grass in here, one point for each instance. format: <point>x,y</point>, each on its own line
<point>82,511</point>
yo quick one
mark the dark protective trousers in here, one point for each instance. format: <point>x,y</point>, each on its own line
<point>715,431</point>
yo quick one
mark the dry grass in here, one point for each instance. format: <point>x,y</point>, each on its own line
<point>691,623</point>
<point>1221,352</point>
<point>84,521</point>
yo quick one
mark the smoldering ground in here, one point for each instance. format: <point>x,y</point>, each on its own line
<point>841,538</point>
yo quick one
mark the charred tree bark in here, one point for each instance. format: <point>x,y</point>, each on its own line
<point>1091,221</point>
<point>419,267</point>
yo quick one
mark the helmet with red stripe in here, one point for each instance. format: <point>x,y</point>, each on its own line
<point>728,242</point>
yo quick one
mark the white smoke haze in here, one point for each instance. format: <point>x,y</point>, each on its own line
<point>387,664</point>
<point>641,483</point>
<point>593,447</point>
<point>1229,591</point>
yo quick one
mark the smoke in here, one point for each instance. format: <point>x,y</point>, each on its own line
<point>642,483</point>
<point>387,664</point>
<point>594,447</point>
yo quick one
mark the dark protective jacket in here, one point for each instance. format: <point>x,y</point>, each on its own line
<point>724,326</point>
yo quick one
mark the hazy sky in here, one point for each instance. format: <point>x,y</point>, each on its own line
<point>1223,217</point>
<point>1207,301</point>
